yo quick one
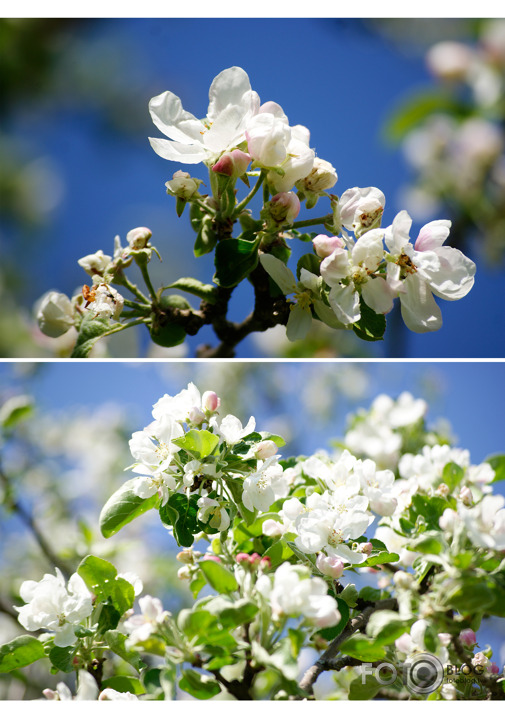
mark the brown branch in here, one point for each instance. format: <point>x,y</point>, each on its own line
<point>354,624</point>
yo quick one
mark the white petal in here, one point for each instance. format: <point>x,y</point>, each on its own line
<point>173,121</point>
<point>455,277</point>
<point>420,312</point>
<point>299,323</point>
<point>229,87</point>
<point>335,267</point>
<point>433,235</point>
<point>397,235</point>
<point>378,295</point>
<point>279,272</point>
<point>345,303</point>
<point>174,151</point>
<point>226,131</point>
<point>326,314</point>
<point>309,280</point>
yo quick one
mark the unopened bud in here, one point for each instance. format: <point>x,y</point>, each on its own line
<point>493,668</point>
<point>95,263</point>
<point>242,558</point>
<point>272,528</point>
<point>366,548</point>
<point>448,520</point>
<point>449,60</point>
<point>210,401</point>
<point>330,565</point>
<point>254,559</point>
<point>55,314</point>
<point>284,207</point>
<point>196,416</point>
<point>448,692</point>
<point>182,185</point>
<point>266,562</point>
<point>325,245</point>
<point>466,496</point>
<point>468,637</point>
<point>445,639</point>
<point>232,163</point>
<point>138,238</point>
<point>322,177</point>
<point>266,448</point>
<point>443,490</point>
<point>185,557</point>
<point>184,573</point>
<point>211,557</point>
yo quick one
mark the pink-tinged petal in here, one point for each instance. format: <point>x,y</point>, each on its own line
<point>229,87</point>
<point>397,235</point>
<point>173,121</point>
<point>184,153</point>
<point>378,295</point>
<point>455,277</point>
<point>420,312</point>
<point>299,322</point>
<point>279,272</point>
<point>344,301</point>
<point>273,108</point>
<point>433,235</point>
<point>335,267</point>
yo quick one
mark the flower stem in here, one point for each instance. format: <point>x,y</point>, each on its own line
<point>142,264</point>
<point>240,207</point>
<point>312,221</point>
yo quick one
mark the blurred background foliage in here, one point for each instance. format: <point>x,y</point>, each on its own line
<point>76,167</point>
<point>64,448</point>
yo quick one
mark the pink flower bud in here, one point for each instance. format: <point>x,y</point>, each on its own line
<point>466,496</point>
<point>325,245</point>
<point>266,562</point>
<point>211,557</point>
<point>493,668</point>
<point>285,207</point>
<point>232,163</point>
<point>254,559</point>
<point>366,548</point>
<point>242,558</point>
<point>330,565</point>
<point>468,637</point>
<point>266,448</point>
<point>210,401</point>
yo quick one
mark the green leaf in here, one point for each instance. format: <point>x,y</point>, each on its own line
<point>310,262</point>
<point>199,443</point>
<point>452,475</point>
<point>363,648</point>
<point>383,558</point>
<point>122,507</point>
<point>497,462</point>
<point>90,331</point>
<point>15,410</point>
<point>469,594</point>
<point>307,559</point>
<point>330,633</point>
<point>240,612</point>
<point>206,238</point>
<point>371,326</point>
<point>101,578</point>
<point>415,110</point>
<point>430,542</point>
<point>62,658</point>
<point>197,583</point>
<point>199,686</point>
<point>385,627</point>
<point>234,260</point>
<point>360,690</point>
<point>218,577</point>
<point>109,618</point>
<point>19,652</point>
<point>116,642</point>
<point>206,291</point>
<point>124,684</point>
<point>181,513</point>
<point>350,595</point>
<point>297,639</point>
<point>430,508</point>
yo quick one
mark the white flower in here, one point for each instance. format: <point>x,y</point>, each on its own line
<point>135,581</point>
<point>417,272</point>
<point>344,271</point>
<point>185,406</point>
<point>231,429</point>
<point>153,446</point>
<point>111,694</point>
<point>95,263</point>
<point>214,513</point>
<point>182,185</point>
<point>376,486</point>
<point>293,593</point>
<point>306,291</point>
<point>190,141</point>
<point>107,302</point>
<point>321,178</point>
<point>86,690</point>
<point>55,314</point>
<point>138,238</point>
<point>265,486</point>
<point>141,626</point>
<point>52,605</point>
<point>361,209</point>
<point>485,522</point>
<point>396,544</point>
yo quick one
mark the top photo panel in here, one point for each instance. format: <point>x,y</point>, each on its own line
<point>252,188</point>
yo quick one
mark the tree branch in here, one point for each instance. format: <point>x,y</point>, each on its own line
<point>354,624</point>
<point>489,682</point>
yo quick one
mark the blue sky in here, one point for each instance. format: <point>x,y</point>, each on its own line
<point>333,76</point>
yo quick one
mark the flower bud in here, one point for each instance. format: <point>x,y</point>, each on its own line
<point>55,314</point>
<point>266,448</point>
<point>443,490</point>
<point>242,558</point>
<point>493,668</point>
<point>284,207</point>
<point>266,562</point>
<point>185,557</point>
<point>480,659</point>
<point>232,163</point>
<point>468,637</point>
<point>184,573</point>
<point>196,416</point>
<point>322,177</point>
<point>211,557</point>
<point>95,263</point>
<point>366,548</point>
<point>330,565</point>
<point>138,237</point>
<point>182,185</point>
<point>448,692</point>
<point>272,528</point>
<point>325,245</point>
<point>404,580</point>
<point>210,401</point>
<point>449,60</point>
<point>466,496</point>
<point>254,559</point>
<point>448,520</point>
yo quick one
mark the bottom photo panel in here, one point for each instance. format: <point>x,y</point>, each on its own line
<point>252,531</point>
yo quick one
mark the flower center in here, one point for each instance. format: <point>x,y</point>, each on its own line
<point>405,262</point>
<point>335,537</point>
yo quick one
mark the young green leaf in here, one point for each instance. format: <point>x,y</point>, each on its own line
<point>122,507</point>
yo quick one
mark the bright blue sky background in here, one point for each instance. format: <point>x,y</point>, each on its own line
<point>333,76</point>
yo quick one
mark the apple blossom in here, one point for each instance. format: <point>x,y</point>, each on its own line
<point>264,486</point>
<point>138,238</point>
<point>53,605</point>
<point>213,512</point>
<point>330,566</point>
<point>106,302</point>
<point>324,245</point>
<point>467,637</point>
<point>231,429</point>
<point>232,163</point>
<point>141,626</point>
<point>284,207</point>
<point>321,178</point>
<point>360,210</point>
<point>55,314</point>
<point>95,263</point>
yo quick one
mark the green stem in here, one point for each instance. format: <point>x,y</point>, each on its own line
<point>266,193</point>
<point>122,280</point>
<point>312,222</point>
<point>119,328</point>
<point>241,206</point>
<point>142,264</point>
<point>208,209</point>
